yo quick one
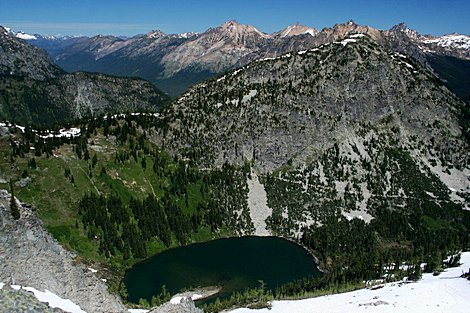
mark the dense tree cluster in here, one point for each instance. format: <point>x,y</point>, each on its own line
<point>125,229</point>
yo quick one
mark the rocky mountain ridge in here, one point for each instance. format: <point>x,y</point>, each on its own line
<point>174,62</point>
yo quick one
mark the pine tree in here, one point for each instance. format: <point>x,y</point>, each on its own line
<point>15,210</point>
<point>94,160</point>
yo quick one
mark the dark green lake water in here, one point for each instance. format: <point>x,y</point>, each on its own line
<point>233,263</point>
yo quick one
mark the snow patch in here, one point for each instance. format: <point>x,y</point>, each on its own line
<point>54,301</point>
<point>237,71</point>
<point>346,41</point>
<point>447,292</point>
<point>357,36</point>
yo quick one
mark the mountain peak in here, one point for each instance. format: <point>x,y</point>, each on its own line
<point>296,30</point>
<point>155,34</point>
<point>233,27</point>
<point>403,28</point>
<point>231,23</point>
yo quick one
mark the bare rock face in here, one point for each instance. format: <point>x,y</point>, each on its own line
<point>29,256</point>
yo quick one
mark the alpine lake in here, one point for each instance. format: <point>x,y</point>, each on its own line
<point>231,264</point>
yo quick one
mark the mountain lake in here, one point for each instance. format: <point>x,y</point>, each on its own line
<point>232,264</point>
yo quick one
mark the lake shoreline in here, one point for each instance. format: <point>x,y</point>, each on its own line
<point>196,294</point>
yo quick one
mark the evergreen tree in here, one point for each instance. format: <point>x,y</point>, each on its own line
<point>15,210</point>
<point>94,160</point>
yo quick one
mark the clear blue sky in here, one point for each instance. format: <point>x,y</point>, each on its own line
<point>119,17</point>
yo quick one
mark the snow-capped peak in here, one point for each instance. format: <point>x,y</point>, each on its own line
<point>21,35</point>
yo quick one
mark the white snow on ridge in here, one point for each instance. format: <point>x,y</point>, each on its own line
<point>447,292</point>
<point>52,300</point>
<point>25,36</point>
<point>346,41</point>
<point>453,40</point>
<point>311,32</point>
<point>357,36</point>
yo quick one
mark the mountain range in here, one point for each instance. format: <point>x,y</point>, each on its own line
<point>176,61</point>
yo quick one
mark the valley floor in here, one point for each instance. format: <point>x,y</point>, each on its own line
<point>447,292</point>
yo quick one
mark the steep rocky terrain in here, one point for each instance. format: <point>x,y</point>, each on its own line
<point>348,121</point>
<point>29,256</point>
<point>174,62</point>
<point>35,91</point>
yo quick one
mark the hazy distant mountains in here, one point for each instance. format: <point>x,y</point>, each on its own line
<point>176,61</point>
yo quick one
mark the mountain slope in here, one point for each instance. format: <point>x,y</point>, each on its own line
<point>34,90</point>
<point>34,64</point>
<point>338,127</point>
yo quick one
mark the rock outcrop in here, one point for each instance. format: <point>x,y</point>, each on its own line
<point>30,256</point>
